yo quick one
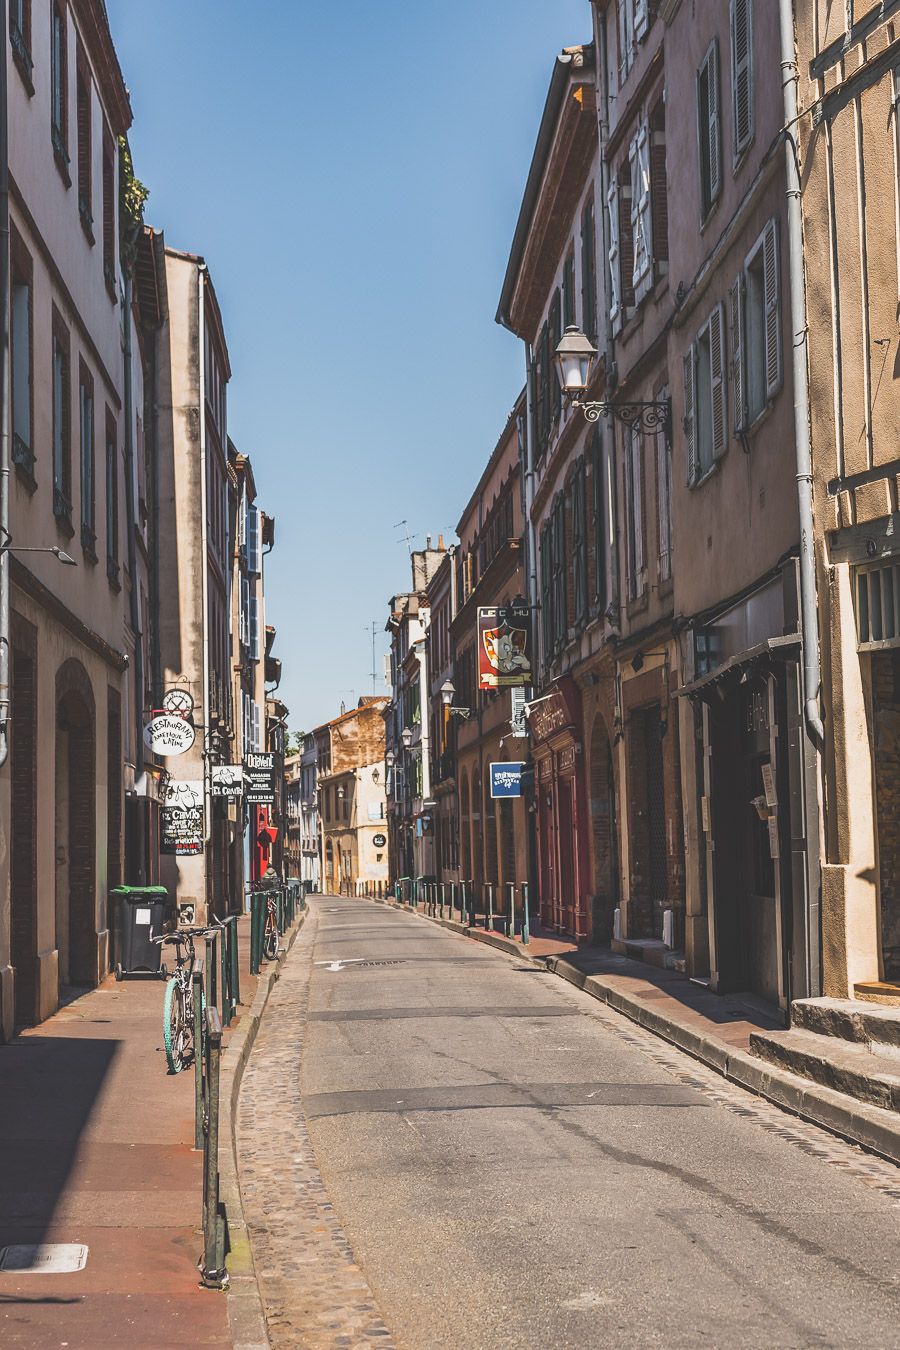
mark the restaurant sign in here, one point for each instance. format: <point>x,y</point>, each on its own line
<point>181,818</point>
<point>504,646</point>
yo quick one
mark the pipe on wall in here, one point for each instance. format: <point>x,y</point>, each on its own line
<point>4,399</point>
<point>204,564</point>
<point>812,667</point>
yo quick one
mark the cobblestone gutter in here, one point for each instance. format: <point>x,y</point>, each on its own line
<point>245,1310</point>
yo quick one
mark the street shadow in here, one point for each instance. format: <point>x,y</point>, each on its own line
<point>49,1086</point>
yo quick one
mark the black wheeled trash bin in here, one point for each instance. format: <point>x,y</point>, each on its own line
<point>139,913</point>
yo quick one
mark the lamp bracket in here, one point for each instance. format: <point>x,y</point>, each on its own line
<point>646,417</point>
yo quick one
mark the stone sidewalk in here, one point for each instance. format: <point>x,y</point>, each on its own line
<point>96,1147</point>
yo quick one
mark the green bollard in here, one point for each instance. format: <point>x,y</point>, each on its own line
<point>254,937</point>
<point>234,954</point>
<point>197,987</point>
<point>225,971</point>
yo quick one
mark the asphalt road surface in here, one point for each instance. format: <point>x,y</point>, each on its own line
<point>515,1165</point>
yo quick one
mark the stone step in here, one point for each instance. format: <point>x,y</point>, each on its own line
<point>850,1019</point>
<point>846,1066</point>
<point>652,951</point>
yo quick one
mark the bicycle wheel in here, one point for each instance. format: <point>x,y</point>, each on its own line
<point>176,1035</point>
<point>270,938</point>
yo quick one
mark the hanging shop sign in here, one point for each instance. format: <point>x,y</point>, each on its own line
<point>504,646</point>
<point>228,781</point>
<point>259,775</point>
<point>178,701</point>
<point>168,734</point>
<point>181,818</point>
<point>506,780</point>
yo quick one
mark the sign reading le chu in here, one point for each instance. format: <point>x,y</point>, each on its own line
<point>504,646</point>
<point>259,777</point>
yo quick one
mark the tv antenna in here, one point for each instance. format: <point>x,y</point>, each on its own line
<point>373,628</point>
<point>406,536</point>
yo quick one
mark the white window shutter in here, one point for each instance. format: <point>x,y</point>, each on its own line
<point>252,531</point>
<point>773,309</point>
<point>742,72</point>
<point>635,207</point>
<point>718,396</point>
<point>713,129</point>
<point>641,19</point>
<point>690,421</point>
<point>257,731</point>
<point>242,520</point>
<point>738,357</point>
<point>637,506</point>
<point>615,290</point>
<point>641,210</point>
<point>624,39</point>
<point>663,505</point>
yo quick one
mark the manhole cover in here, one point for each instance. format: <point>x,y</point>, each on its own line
<point>48,1258</point>
<point>379,963</point>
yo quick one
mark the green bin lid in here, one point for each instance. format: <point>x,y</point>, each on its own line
<point>141,892</point>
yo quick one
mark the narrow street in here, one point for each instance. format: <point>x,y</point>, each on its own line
<point>513,1165</point>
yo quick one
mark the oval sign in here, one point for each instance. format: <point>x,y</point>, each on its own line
<point>379,840</point>
<point>168,735</point>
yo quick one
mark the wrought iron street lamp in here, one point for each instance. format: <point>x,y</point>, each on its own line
<point>574,362</point>
<point>448,694</point>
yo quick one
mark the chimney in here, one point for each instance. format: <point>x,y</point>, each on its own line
<point>343,707</point>
<point>428,541</point>
<point>440,543</point>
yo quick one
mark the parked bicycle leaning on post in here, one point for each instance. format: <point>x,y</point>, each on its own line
<point>178,1005</point>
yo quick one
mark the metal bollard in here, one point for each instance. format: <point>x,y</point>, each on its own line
<point>511,895</point>
<point>199,1024</point>
<point>212,1262</point>
<point>490,905</point>
<point>226,979</point>
<point>254,933</point>
<point>234,954</point>
<point>470,903</point>
<point>525,925</point>
<point>212,973</point>
<point>443,888</point>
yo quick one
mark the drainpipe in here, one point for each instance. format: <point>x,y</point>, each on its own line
<point>529,482</point>
<point>131,486</point>
<point>812,670</point>
<point>204,565</point>
<point>4,402</point>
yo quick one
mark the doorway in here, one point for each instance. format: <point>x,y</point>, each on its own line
<point>76,926</point>
<point>23,824</point>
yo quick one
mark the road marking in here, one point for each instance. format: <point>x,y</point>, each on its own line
<point>339,965</point>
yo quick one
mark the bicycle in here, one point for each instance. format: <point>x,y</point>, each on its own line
<point>178,1004</point>
<point>270,932</point>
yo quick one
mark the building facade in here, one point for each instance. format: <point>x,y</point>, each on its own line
<point>351,777</point>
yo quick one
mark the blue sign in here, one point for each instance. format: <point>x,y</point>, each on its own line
<point>506,780</point>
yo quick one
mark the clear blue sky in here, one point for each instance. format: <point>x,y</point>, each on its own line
<point>352,175</point>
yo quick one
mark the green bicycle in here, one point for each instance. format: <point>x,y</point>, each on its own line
<point>178,1004</point>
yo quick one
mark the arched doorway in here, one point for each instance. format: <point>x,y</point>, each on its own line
<point>604,837</point>
<point>76,913</point>
<point>329,866</point>
<point>490,832</point>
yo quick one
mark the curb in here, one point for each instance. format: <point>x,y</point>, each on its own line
<point>871,1127</point>
<point>246,1318</point>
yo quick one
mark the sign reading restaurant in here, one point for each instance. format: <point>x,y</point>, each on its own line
<point>168,734</point>
<point>181,819</point>
<point>259,777</point>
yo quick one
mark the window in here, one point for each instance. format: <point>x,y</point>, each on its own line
<point>560,608</point>
<point>579,543</point>
<point>86,439</point>
<point>547,589</point>
<point>256,728</point>
<point>709,130</point>
<point>588,271</point>
<point>59,104</point>
<point>112,499</point>
<point>705,427</point>
<point>598,473</point>
<point>244,617</point>
<point>85,151</point>
<point>755,313</point>
<point>554,337</point>
<point>21,353</point>
<point>641,218</point>
<point>254,563</point>
<point>621,247</point>
<point>568,291</point>
<point>20,38</point>
<point>254,633</point>
<point>664,500</point>
<point>62,463</point>
<point>634,511</point>
<point>109,211</point>
<point>633,25</point>
<point>542,389</point>
<point>659,190</point>
<point>742,74</point>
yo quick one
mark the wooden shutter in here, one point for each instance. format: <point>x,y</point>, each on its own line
<point>546,591</point>
<point>568,289</point>
<point>544,366</point>
<point>598,468</point>
<point>635,469</point>
<point>773,309</point>
<point>615,305</point>
<point>718,397</point>
<point>588,278</point>
<point>626,248</point>
<point>641,19</point>
<point>554,337</point>
<point>641,222</point>
<point>659,197</point>
<point>715,138</point>
<point>690,421</point>
<point>738,355</point>
<point>663,506</point>
<point>742,73</point>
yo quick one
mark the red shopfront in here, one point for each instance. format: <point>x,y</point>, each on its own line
<point>562,821</point>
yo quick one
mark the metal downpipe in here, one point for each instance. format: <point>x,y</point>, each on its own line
<point>809,619</point>
<point>4,400</point>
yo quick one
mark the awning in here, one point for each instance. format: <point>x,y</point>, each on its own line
<point>771,647</point>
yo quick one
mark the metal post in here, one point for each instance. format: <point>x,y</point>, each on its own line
<point>212,1264</point>
<point>197,987</point>
<point>212,992</point>
<point>490,913</point>
<point>254,943</point>
<point>443,890</point>
<point>235,962</point>
<point>525,925</point>
<point>225,972</point>
<point>470,902</point>
<point>511,893</point>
